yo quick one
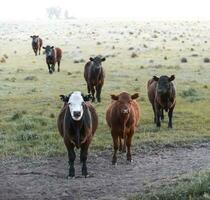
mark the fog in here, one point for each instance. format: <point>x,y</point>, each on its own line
<point>109,9</point>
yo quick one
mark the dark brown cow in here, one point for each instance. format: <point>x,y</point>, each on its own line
<point>122,117</point>
<point>53,55</point>
<point>77,123</point>
<point>162,96</point>
<point>94,76</point>
<point>36,44</point>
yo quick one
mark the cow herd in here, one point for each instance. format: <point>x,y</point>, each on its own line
<point>77,121</point>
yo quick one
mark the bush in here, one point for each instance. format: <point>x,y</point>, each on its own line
<point>190,94</point>
<point>206,60</point>
<point>183,60</point>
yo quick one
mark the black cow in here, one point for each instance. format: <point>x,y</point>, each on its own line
<point>162,96</point>
<point>53,55</point>
<point>94,76</point>
<point>36,44</point>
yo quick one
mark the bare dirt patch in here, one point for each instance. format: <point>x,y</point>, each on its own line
<point>46,179</point>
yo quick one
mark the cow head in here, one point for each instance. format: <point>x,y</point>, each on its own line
<point>78,111</point>
<point>163,84</point>
<point>75,101</point>
<point>97,63</point>
<point>49,51</point>
<point>35,38</point>
<point>124,99</point>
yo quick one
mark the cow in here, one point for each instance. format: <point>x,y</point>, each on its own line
<point>162,96</point>
<point>53,55</point>
<point>94,76</point>
<point>122,116</point>
<point>36,44</point>
<point>77,123</point>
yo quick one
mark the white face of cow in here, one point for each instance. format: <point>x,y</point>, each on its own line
<point>75,105</point>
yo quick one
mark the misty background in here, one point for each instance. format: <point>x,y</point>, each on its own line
<point>109,9</point>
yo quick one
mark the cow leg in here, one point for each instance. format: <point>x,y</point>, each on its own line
<point>153,107</point>
<point>35,51</point>
<point>39,50</point>
<point>72,156</point>
<point>50,71</point>
<point>88,88</point>
<point>158,114</point>
<point>59,66</point>
<point>53,67</point>
<point>83,158</point>
<point>120,144</point>
<point>170,115</point>
<point>92,89</point>
<point>128,144</point>
<point>162,114</point>
<point>115,143</point>
<point>98,92</point>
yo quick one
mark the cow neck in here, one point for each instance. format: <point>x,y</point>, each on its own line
<point>95,75</point>
<point>165,100</point>
<point>77,125</point>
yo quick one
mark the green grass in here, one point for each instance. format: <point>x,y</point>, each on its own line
<point>191,187</point>
<point>29,96</point>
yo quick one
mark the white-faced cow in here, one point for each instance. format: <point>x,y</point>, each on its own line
<point>77,123</point>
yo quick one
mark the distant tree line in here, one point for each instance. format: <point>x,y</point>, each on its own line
<point>56,12</point>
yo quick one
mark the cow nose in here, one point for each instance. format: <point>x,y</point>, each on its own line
<point>77,114</point>
<point>125,111</point>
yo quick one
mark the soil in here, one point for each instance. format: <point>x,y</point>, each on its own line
<point>46,178</point>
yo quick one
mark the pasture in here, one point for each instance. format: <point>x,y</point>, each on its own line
<point>134,51</point>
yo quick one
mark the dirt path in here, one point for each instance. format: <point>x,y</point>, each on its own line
<point>45,179</point>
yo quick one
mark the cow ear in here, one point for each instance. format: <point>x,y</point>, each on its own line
<point>31,36</point>
<point>114,97</point>
<point>135,96</point>
<point>103,59</point>
<point>37,36</point>
<point>87,97</point>
<point>91,59</point>
<point>64,98</point>
<point>52,47</point>
<point>171,78</point>
<point>155,78</point>
<point>44,47</point>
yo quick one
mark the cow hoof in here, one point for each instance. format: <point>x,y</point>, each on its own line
<point>129,161</point>
<point>50,72</point>
<point>114,163</point>
<point>70,177</point>
<point>158,125</point>
<point>86,176</point>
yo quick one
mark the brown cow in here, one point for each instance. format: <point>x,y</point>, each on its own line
<point>77,123</point>
<point>122,117</point>
<point>94,76</point>
<point>53,55</point>
<point>36,44</point>
<point>162,96</point>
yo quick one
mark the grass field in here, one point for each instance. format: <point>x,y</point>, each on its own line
<point>29,108</point>
<point>135,51</point>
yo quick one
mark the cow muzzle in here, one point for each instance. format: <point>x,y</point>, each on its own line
<point>77,114</point>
